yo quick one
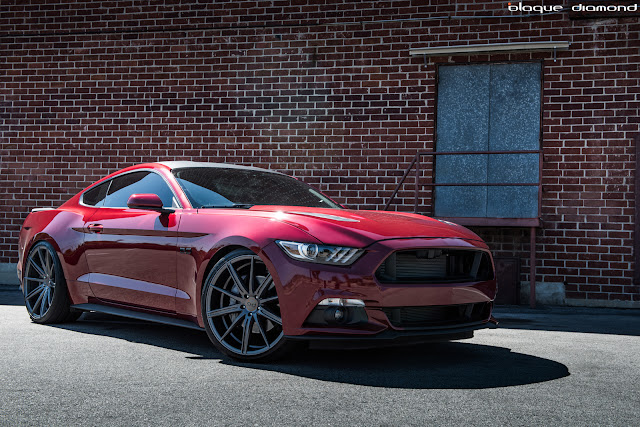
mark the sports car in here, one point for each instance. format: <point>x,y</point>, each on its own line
<point>260,260</point>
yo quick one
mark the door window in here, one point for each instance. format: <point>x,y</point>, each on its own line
<point>123,186</point>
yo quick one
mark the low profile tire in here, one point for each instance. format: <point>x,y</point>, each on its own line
<point>45,288</point>
<point>241,310</point>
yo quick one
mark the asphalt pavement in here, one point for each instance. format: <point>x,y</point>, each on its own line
<point>560,366</point>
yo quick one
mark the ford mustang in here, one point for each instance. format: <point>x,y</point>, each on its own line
<point>259,260</point>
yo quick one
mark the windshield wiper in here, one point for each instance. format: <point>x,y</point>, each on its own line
<point>235,205</point>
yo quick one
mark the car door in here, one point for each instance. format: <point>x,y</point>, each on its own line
<point>131,253</point>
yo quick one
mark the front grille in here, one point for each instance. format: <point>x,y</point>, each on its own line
<point>437,315</point>
<point>435,266</point>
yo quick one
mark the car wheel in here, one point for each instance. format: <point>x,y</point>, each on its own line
<point>45,288</point>
<point>241,310</point>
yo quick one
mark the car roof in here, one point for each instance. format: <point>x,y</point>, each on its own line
<point>178,164</point>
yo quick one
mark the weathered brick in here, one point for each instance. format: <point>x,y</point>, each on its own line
<point>343,106</point>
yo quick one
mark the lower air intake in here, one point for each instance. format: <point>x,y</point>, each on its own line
<point>437,315</point>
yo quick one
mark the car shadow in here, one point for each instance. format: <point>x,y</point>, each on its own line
<point>446,365</point>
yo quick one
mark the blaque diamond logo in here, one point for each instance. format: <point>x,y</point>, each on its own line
<point>521,7</point>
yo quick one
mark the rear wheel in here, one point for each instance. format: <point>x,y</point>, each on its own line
<point>241,310</point>
<point>45,288</point>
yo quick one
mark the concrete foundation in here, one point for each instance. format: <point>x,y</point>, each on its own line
<point>8,274</point>
<point>547,293</point>
<point>553,293</point>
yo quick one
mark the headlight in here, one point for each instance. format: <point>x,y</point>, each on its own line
<point>322,254</point>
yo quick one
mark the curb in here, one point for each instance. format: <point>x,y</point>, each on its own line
<point>512,310</point>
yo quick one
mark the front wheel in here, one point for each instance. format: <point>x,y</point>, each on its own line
<point>241,310</point>
<point>45,288</point>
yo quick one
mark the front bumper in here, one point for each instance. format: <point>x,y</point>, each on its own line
<point>390,338</point>
<point>302,285</point>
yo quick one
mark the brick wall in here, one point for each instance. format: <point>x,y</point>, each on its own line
<point>323,90</point>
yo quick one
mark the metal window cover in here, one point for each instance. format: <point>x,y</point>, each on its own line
<point>489,47</point>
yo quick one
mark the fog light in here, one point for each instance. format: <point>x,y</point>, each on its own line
<point>336,315</point>
<point>338,312</point>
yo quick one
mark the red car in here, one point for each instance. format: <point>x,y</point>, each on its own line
<point>257,259</point>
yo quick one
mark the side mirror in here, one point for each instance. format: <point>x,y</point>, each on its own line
<point>147,201</point>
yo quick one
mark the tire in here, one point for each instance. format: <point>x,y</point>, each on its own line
<point>241,310</point>
<point>45,288</point>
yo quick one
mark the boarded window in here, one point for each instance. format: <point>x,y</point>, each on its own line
<point>492,107</point>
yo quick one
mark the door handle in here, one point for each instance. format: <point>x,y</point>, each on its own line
<point>95,228</point>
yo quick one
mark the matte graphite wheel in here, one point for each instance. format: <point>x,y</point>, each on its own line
<point>240,308</point>
<point>44,286</point>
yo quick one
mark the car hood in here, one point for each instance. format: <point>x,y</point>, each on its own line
<point>361,228</point>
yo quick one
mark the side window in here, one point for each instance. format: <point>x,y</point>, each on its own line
<point>96,195</point>
<point>122,187</point>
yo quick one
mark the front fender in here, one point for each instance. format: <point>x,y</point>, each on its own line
<point>204,239</point>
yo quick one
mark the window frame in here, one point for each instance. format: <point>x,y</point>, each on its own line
<point>487,220</point>
<point>83,203</point>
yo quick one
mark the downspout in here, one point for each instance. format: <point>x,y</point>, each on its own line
<point>636,219</point>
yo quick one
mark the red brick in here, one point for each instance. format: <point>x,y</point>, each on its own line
<point>349,120</point>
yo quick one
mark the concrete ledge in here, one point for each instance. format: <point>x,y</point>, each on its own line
<point>553,294</point>
<point>547,293</point>
<point>602,303</point>
<point>8,274</point>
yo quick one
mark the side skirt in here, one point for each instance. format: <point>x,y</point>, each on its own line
<point>137,315</point>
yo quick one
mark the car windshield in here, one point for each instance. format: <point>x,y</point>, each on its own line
<point>219,187</point>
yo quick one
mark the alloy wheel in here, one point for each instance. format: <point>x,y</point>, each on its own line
<point>241,306</point>
<point>39,281</point>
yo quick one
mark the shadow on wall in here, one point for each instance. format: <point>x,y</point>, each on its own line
<point>448,365</point>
